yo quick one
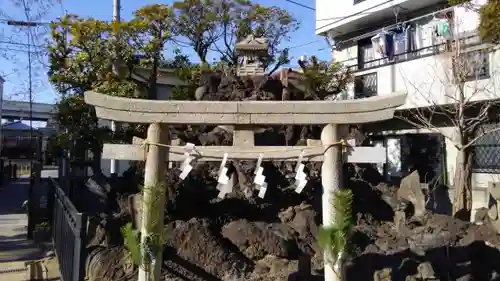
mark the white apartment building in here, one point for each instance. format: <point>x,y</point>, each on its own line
<point>408,46</point>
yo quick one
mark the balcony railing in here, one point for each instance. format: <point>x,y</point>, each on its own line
<point>469,40</point>
<point>398,58</point>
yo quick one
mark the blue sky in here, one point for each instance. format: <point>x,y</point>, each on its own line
<point>13,55</point>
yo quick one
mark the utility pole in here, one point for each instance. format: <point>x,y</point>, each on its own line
<point>1,135</point>
<point>114,164</point>
<point>1,114</point>
<point>29,24</point>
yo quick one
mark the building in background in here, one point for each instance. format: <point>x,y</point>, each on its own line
<point>408,46</point>
<point>17,143</point>
<point>19,110</point>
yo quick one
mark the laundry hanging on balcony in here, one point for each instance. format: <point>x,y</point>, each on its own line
<point>443,28</point>
<point>383,44</point>
<point>403,40</point>
<point>425,36</point>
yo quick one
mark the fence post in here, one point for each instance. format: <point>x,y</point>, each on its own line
<point>79,250</point>
<point>51,202</point>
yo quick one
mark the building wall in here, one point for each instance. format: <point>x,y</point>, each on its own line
<point>20,109</point>
<point>427,78</point>
<point>164,92</point>
<point>18,133</point>
<point>342,17</point>
<point>480,193</point>
<point>479,180</point>
<point>428,81</point>
<point>335,14</point>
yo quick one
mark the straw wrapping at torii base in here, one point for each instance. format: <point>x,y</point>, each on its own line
<point>243,115</point>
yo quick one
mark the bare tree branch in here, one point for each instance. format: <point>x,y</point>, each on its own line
<point>461,95</point>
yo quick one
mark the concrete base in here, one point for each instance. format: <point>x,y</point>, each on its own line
<point>14,271</point>
<point>36,270</point>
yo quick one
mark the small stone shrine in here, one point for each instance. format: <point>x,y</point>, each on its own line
<point>252,49</point>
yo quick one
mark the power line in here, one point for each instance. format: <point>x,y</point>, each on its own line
<point>176,41</point>
<point>63,10</point>
<point>33,40</point>
<point>34,24</point>
<point>305,44</point>
<point>20,44</point>
<point>8,74</point>
<point>301,5</point>
<point>41,49</point>
<point>20,50</point>
<point>24,23</point>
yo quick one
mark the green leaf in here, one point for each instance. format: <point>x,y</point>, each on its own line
<point>334,238</point>
<point>132,243</point>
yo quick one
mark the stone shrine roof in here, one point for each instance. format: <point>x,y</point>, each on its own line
<point>252,43</point>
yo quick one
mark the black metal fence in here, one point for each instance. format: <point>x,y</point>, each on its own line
<point>69,229</point>
<point>486,150</point>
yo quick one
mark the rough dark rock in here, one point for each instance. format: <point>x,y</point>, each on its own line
<point>242,238</point>
<point>410,190</point>
<point>431,247</point>
<point>304,220</point>
<point>109,264</point>
<point>481,216</point>
<point>194,243</point>
<point>258,239</point>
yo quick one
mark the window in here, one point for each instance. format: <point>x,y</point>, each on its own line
<point>358,1</point>
<point>251,59</point>
<point>366,53</point>
<point>478,64</point>
<point>472,66</point>
<point>365,85</point>
<point>486,151</point>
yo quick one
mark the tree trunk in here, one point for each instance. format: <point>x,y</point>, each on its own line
<point>95,164</point>
<point>462,201</point>
<point>152,83</point>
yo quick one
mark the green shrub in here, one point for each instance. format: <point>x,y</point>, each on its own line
<point>333,239</point>
<point>132,243</point>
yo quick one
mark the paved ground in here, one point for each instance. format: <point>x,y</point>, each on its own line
<point>49,171</point>
<point>13,221</point>
<point>15,249</point>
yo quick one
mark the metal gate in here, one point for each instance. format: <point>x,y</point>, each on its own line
<point>68,235</point>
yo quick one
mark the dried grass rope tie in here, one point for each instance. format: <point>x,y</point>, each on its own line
<point>343,143</point>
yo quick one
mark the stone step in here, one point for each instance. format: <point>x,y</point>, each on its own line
<point>45,269</point>
<point>14,271</point>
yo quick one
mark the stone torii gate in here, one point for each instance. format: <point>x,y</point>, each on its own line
<point>243,115</point>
